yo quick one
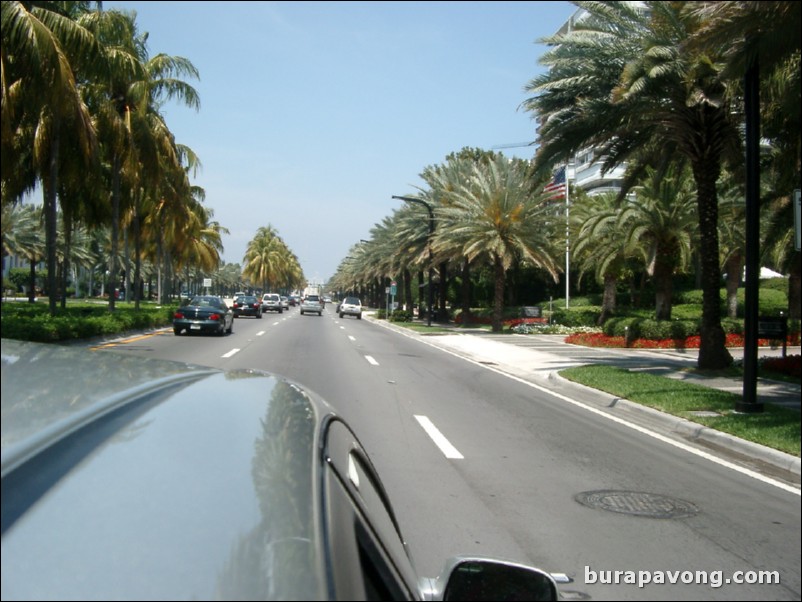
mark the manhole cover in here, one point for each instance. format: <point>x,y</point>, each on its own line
<point>638,503</point>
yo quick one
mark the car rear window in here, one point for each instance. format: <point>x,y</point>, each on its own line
<point>313,297</point>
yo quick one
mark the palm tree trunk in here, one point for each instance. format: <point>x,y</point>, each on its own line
<point>713,353</point>
<point>67,221</point>
<point>442,314</point>
<point>115,229</point>
<point>466,290</point>
<point>421,280</point>
<point>32,291</point>
<point>608,298</point>
<point>51,215</point>
<point>408,300</point>
<point>663,284</point>
<point>733,267</point>
<point>498,298</point>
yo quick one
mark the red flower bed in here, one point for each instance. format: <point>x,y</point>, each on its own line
<point>508,323</point>
<point>791,365</point>
<point>602,340</point>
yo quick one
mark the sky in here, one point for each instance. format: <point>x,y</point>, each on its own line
<point>314,114</point>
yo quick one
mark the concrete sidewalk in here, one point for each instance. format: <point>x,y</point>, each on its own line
<point>539,358</point>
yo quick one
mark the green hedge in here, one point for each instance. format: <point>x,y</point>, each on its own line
<point>32,321</point>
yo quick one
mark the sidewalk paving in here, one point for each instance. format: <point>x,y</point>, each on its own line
<point>539,358</point>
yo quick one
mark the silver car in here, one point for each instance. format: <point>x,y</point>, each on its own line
<point>272,302</point>
<point>171,481</point>
<point>351,306</point>
<point>312,304</point>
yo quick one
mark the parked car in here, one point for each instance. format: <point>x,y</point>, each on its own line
<point>351,306</point>
<point>272,302</point>
<point>312,304</point>
<point>204,313</point>
<point>172,481</point>
<point>247,305</point>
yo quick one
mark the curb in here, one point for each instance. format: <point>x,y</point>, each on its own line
<point>746,452</point>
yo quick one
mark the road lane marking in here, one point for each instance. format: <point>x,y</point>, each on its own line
<point>230,353</point>
<point>352,338</point>
<point>371,360</point>
<point>439,439</point>
<point>625,423</point>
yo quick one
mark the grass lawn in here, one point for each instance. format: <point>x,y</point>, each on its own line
<point>775,427</point>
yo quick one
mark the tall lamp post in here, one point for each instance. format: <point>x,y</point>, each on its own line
<point>409,199</point>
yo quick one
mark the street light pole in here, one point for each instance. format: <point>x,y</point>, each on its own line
<point>409,199</point>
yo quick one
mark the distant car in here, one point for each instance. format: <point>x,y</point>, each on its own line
<point>272,302</point>
<point>238,294</point>
<point>178,482</point>
<point>247,305</point>
<point>351,306</point>
<point>204,313</point>
<point>326,299</point>
<point>312,304</point>
<point>285,302</point>
<point>293,300</point>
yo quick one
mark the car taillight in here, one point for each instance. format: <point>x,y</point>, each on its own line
<point>214,317</point>
<point>178,315</point>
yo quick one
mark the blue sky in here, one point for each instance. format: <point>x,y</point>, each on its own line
<point>314,114</point>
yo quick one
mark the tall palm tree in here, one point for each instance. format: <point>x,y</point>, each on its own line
<point>494,218</point>
<point>766,33</point>
<point>266,259</point>
<point>41,51</point>
<point>127,110</point>
<point>642,84</point>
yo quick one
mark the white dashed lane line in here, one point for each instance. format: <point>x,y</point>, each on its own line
<point>439,439</point>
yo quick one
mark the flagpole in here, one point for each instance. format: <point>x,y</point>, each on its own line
<point>567,242</point>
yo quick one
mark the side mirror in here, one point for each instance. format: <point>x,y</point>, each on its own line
<point>473,579</point>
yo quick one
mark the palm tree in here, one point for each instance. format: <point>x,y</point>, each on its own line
<point>626,81</point>
<point>597,246</point>
<point>22,236</point>
<point>41,48</point>
<point>126,107</point>
<point>767,34</point>
<point>268,261</point>
<point>493,218</point>
<point>661,222</point>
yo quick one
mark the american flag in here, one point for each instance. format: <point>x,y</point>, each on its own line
<point>556,188</point>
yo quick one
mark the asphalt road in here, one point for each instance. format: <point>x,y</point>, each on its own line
<point>477,462</point>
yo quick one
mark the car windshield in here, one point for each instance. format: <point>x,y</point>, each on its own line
<point>206,302</point>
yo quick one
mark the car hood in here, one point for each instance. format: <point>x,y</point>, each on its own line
<point>131,479</point>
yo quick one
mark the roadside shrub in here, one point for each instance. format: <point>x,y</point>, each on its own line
<point>32,321</point>
<point>587,315</point>
<point>401,315</point>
